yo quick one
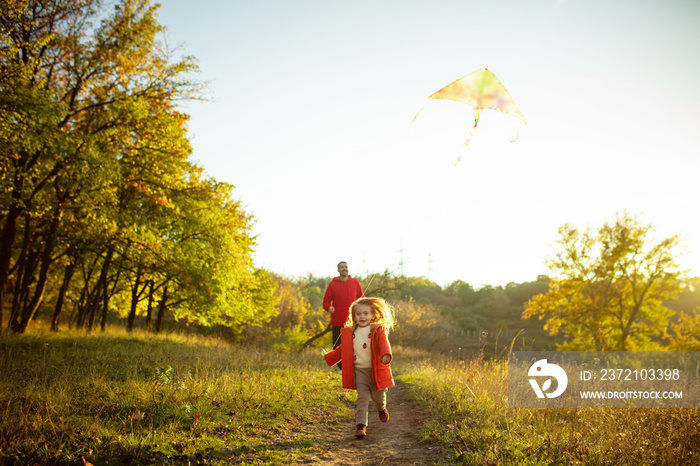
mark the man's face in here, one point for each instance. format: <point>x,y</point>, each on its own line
<point>343,269</point>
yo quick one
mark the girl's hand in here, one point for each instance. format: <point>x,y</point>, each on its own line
<point>385,359</point>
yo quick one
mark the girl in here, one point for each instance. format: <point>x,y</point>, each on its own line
<point>365,353</point>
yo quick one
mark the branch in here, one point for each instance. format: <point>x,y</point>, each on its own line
<point>315,337</point>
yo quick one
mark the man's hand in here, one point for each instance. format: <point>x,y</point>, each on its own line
<point>385,359</point>
<point>331,309</point>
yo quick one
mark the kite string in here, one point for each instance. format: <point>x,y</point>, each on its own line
<point>517,134</point>
<point>421,109</point>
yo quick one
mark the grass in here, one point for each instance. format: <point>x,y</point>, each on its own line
<point>114,398</point>
<point>468,400</point>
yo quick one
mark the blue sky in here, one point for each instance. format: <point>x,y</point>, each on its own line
<point>312,101</point>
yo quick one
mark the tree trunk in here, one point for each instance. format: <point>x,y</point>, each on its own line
<point>149,309</point>
<point>134,299</point>
<point>99,287</point>
<point>30,309</point>
<point>82,304</point>
<point>68,274</point>
<point>25,269</point>
<point>105,305</point>
<point>161,309</point>
<point>105,299</point>
<point>94,301</point>
<point>7,240</point>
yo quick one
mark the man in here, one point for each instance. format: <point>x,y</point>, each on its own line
<point>342,291</point>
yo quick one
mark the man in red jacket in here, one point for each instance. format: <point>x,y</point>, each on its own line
<point>342,291</point>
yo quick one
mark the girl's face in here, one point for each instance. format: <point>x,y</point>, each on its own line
<point>363,315</point>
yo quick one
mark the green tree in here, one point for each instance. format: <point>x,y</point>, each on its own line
<point>75,99</point>
<point>209,260</point>
<point>608,287</point>
<point>98,197</point>
<point>463,291</point>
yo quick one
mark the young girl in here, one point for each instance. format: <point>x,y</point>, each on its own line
<point>365,352</point>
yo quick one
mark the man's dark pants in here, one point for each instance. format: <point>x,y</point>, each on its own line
<point>336,342</point>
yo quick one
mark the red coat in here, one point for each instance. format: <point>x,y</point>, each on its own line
<point>341,294</point>
<point>378,348</point>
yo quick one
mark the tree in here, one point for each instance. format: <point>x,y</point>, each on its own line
<point>684,334</point>
<point>75,100</point>
<point>98,196</point>
<point>608,288</point>
<point>463,291</point>
<point>209,260</point>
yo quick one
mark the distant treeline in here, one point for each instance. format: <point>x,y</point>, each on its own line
<point>429,316</point>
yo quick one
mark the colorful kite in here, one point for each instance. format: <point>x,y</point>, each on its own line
<point>482,90</point>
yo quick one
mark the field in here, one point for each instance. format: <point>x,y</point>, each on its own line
<point>118,398</point>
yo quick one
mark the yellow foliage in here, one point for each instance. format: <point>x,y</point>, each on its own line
<point>296,319</point>
<point>609,288</point>
<point>684,335</point>
<point>420,325</point>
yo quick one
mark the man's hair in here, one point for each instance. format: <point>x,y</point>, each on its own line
<point>341,262</point>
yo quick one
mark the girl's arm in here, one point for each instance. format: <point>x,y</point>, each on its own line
<point>333,357</point>
<point>383,346</point>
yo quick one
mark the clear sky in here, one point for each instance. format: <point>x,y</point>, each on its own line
<point>311,110</point>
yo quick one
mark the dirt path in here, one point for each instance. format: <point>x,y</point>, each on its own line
<point>390,443</point>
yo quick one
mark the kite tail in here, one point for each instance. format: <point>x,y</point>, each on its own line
<point>517,134</point>
<point>472,132</point>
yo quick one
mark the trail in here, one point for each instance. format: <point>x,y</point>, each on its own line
<point>390,443</point>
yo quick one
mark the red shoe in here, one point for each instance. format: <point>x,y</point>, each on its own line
<point>361,431</point>
<point>384,415</point>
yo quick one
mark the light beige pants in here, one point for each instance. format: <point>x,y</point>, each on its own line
<point>364,382</point>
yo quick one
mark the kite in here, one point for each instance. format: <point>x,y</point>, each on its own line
<point>483,91</point>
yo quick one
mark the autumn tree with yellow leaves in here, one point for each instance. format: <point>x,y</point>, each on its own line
<point>609,287</point>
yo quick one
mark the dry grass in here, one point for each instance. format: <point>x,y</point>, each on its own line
<point>115,397</point>
<point>469,401</point>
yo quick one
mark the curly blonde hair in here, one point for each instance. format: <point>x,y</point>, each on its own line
<point>382,313</point>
